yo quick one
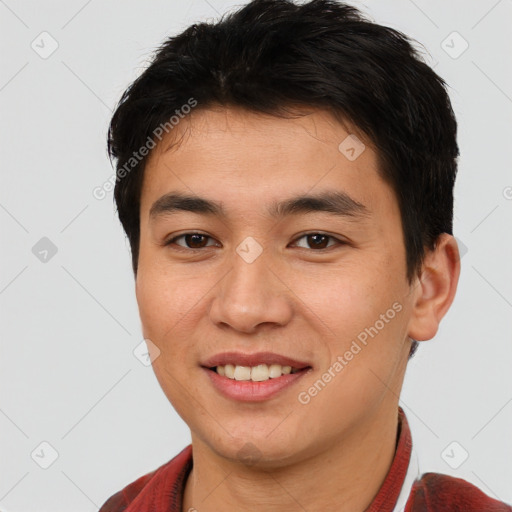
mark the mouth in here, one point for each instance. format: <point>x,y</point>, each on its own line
<point>253,377</point>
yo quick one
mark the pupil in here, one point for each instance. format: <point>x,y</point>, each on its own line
<point>318,236</point>
<point>194,237</point>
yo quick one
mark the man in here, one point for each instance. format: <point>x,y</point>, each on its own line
<point>285,178</point>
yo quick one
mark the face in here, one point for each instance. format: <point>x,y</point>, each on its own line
<point>252,280</point>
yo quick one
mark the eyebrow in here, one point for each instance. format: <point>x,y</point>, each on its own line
<point>337,203</point>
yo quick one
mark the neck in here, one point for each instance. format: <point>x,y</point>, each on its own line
<point>346,475</point>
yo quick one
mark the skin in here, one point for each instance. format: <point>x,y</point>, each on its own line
<point>294,299</point>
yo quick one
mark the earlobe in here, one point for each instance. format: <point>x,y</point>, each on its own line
<point>435,288</point>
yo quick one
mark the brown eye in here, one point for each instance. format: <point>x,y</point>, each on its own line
<point>318,241</point>
<point>192,240</point>
<point>195,241</point>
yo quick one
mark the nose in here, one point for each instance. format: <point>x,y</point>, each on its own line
<point>251,297</point>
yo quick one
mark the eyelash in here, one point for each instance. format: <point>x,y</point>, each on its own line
<point>179,247</point>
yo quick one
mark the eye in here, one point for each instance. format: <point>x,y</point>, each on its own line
<point>318,240</point>
<point>315,240</point>
<point>192,240</point>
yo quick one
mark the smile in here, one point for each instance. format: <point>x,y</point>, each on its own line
<point>253,377</point>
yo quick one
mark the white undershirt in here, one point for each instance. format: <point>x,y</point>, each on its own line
<point>413,474</point>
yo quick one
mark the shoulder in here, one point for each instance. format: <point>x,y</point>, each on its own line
<point>148,487</point>
<point>435,491</point>
<point>120,500</point>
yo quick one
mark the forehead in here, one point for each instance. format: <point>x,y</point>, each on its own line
<point>254,158</point>
<point>300,131</point>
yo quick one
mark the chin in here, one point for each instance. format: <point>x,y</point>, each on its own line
<point>253,449</point>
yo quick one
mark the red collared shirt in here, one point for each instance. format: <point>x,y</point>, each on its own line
<point>162,489</point>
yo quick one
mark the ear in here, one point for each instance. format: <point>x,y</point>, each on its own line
<point>434,289</point>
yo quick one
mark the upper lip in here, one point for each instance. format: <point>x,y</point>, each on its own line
<point>254,359</point>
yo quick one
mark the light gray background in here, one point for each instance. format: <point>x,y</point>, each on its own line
<point>69,325</point>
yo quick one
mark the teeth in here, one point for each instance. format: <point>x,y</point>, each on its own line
<point>259,373</point>
<point>242,372</point>
<point>275,371</point>
<point>229,370</point>
<point>255,373</point>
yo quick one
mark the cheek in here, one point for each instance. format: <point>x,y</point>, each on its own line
<point>346,298</point>
<point>361,312</point>
<point>164,298</point>
<point>163,313</point>
<point>171,305</point>
<point>154,300</point>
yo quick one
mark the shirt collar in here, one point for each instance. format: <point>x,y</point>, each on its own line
<point>389,492</point>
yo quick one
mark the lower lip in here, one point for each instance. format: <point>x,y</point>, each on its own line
<point>250,391</point>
